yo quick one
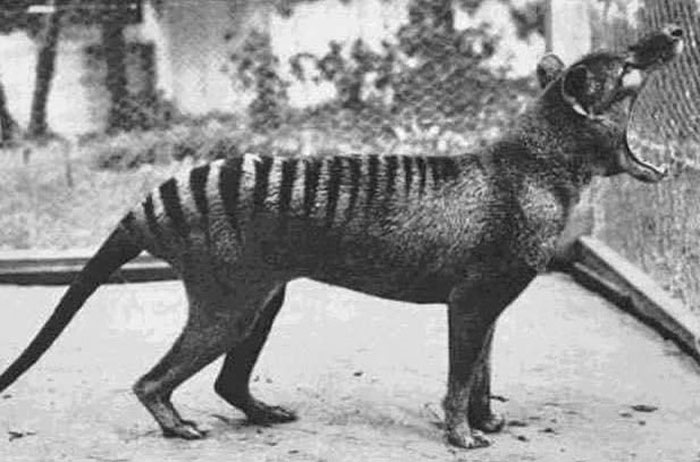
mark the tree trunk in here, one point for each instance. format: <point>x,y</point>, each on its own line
<point>114,47</point>
<point>7,123</point>
<point>45,64</point>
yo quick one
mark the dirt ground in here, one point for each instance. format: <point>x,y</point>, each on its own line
<point>366,377</point>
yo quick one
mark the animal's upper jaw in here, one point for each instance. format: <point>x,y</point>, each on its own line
<point>656,49</point>
<point>602,88</point>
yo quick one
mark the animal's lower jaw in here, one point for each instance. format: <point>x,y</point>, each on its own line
<point>641,169</point>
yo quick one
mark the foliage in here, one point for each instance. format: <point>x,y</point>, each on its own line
<point>128,151</point>
<point>429,77</point>
<point>40,209</point>
<point>14,16</point>
<point>428,74</point>
<point>257,68</point>
<point>529,18</point>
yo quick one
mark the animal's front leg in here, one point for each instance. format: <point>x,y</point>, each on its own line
<point>481,416</point>
<point>472,313</point>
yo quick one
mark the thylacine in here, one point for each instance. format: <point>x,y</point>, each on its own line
<point>470,231</point>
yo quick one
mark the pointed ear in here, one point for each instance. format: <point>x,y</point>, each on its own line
<point>575,87</point>
<point>549,68</point>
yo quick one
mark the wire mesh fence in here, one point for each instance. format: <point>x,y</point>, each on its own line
<point>140,87</point>
<point>658,226</point>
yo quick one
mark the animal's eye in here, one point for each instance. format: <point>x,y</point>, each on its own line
<point>626,67</point>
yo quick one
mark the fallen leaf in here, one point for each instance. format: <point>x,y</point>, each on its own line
<point>644,408</point>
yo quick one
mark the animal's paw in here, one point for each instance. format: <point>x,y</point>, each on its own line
<point>186,430</point>
<point>264,414</point>
<point>464,437</point>
<point>493,422</point>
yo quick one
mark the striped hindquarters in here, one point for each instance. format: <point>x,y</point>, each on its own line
<point>219,200</point>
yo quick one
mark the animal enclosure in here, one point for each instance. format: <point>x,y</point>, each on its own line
<point>658,226</point>
<point>201,80</point>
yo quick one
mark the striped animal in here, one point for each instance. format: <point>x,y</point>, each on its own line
<point>470,231</point>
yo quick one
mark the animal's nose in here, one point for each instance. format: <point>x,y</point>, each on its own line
<point>674,31</point>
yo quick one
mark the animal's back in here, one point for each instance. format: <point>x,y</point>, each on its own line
<point>357,221</point>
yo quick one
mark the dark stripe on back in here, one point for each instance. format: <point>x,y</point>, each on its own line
<point>372,177</point>
<point>229,185</point>
<point>335,170</point>
<point>408,173</point>
<point>450,168</point>
<point>355,165</point>
<point>151,220</point>
<point>311,176</point>
<point>199,176</point>
<point>435,168</point>
<point>127,222</point>
<point>443,169</point>
<point>392,166</point>
<point>422,174</point>
<point>173,207</point>
<point>262,180</point>
<point>198,187</point>
<point>289,172</point>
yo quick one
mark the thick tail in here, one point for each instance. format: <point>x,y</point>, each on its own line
<point>118,249</point>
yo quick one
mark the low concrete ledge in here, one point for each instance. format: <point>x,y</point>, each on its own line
<point>59,268</point>
<point>591,263</point>
<point>601,269</point>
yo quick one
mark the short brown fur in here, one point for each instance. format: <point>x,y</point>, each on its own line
<point>470,231</point>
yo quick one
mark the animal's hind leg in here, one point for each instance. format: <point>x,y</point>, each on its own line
<point>218,319</point>
<point>233,383</point>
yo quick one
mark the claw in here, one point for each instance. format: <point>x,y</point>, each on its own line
<point>466,438</point>
<point>186,430</point>
<point>492,424</point>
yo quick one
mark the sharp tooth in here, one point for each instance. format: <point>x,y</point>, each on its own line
<point>678,47</point>
<point>632,79</point>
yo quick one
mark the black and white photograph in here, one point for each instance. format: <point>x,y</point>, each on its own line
<point>349,230</point>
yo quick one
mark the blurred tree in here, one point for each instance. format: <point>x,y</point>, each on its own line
<point>428,71</point>
<point>8,125</point>
<point>529,17</point>
<point>114,20</point>
<point>426,61</point>
<point>256,67</point>
<point>45,66</point>
<point>13,16</point>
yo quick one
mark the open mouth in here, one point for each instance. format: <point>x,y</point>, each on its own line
<point>650,53</point>
<point>639,168</point>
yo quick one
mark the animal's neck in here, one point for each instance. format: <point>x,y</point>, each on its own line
<point>522,154</point>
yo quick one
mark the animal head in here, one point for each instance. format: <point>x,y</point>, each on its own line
<point>600,91</point>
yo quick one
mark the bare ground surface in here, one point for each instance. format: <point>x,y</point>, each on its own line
<point>366,377</point>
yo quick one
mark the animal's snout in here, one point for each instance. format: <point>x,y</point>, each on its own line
<point>674,31</point>
<point>657,48</point>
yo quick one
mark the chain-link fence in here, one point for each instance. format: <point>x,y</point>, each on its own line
<point>658,226</point>
<point>139,87</point>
